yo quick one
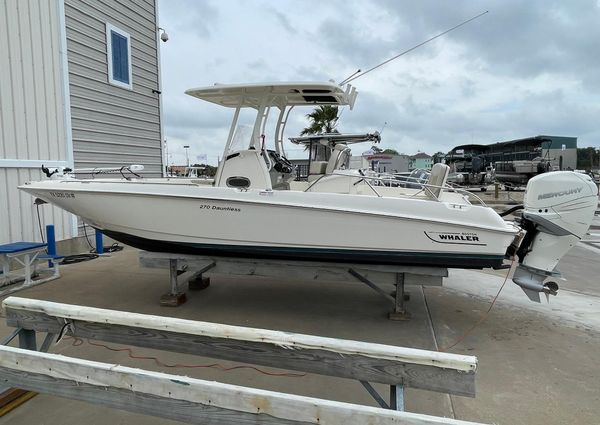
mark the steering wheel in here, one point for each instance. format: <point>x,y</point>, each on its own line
<point>282,164</point>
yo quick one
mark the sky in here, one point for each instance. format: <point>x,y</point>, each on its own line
<point>525,68</point>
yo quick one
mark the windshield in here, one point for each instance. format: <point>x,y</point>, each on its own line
<point>241,139</point>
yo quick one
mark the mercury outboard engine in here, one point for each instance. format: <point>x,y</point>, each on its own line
<point>558,211</point>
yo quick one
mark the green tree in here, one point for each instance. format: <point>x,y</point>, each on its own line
<point>209,170</point>
<point>322,120</point>
<point>588,158</point>
<point>391,151</point>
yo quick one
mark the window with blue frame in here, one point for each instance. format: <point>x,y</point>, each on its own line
<point>119,56</point>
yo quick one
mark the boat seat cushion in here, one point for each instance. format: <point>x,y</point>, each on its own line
<point>339,155</point>
<point>11,248</point>
<point>438,177</point>
<point>318,167</point>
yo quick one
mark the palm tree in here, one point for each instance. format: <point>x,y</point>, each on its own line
<point>322,120</point>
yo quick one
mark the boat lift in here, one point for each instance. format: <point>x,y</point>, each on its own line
<point>374,276</point>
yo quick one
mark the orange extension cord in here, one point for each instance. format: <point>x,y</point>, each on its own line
<point>485,315</point>
<point>78,341</point>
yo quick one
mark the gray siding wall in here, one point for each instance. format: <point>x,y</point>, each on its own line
<point>113,126</point>
<point>32,114</point>
<point>18,216</point>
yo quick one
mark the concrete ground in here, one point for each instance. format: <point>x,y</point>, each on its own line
<point>538,363</point>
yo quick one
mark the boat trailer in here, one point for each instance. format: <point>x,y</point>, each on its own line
<point>375,277</point>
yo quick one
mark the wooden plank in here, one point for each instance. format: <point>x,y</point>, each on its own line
<point>161,260</point>
<point>379,363</point>
<point>185,399</point>
<point>424,280</point>
<point>13,398</point>
<point>299,270</point>
<point>10,395</point>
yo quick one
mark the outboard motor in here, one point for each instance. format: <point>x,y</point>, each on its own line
<point>558,211</point>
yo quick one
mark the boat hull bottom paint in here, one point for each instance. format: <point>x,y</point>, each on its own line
<point>429,259</point>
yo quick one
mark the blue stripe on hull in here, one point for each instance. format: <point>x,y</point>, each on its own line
<point>463,261</point>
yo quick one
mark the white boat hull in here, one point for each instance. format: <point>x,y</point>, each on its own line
<point>188,218</point>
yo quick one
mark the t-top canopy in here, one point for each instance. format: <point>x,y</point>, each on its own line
<point>279,94</point>
<point>333,138</point>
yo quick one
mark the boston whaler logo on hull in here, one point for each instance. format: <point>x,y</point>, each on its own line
<point>560,193</point>
<point>460,238</point>
<point>211,207</point>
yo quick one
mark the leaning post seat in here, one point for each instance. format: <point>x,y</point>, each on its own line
<point>316,170</point>
<point>438,177</point>
<point>337,157</point>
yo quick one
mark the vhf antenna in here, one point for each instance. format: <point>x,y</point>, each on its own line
<point>383,127</point>
<point>355,76</point>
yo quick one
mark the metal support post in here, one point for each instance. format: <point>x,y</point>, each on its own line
<point>399,312</point>
<point>99,242</point>
<point>27,339</point>
<point>173,276</point>
<point>173,298</point>
<point>27,266</point>
<point>51,241</point>
<point>5,268</point>
<point>397,397</point>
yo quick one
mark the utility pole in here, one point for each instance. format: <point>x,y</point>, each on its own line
<point>187,158</point>
<point>166,156</point>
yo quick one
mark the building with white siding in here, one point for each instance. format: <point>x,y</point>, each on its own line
<point>79,87</point>
<point>387,163</point>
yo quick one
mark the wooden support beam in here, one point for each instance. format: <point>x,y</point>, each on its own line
<point>429,370</point>
<point>185,399</point>
<point>12,398</point>
<point>289,269</point>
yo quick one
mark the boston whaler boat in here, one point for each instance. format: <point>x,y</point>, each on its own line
<point>254,208</point>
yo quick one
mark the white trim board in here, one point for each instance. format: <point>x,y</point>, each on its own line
<point>231,398</point>
<point>111,80</point>
<point>160,102</point>
<point>31,163</point>
<point>65,83</point>
<point>64,58</point>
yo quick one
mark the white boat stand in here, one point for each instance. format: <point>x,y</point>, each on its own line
<point>374,276</point>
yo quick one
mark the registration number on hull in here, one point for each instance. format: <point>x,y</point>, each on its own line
<point>62,194</point>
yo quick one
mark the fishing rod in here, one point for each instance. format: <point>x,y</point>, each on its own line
<point>358,75</point>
